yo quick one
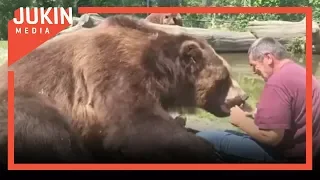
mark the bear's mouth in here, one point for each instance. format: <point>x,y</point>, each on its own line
<point>240,101</point>
<point>222,108</point>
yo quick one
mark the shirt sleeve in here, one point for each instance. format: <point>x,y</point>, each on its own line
<point>274,108</point>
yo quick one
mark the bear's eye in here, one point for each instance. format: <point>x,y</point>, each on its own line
<point>166,17</point>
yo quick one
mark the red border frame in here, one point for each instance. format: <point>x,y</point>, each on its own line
<point>131,10</point>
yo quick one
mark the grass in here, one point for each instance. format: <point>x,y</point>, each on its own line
<point>3,51</point>
<point>201,118</point>
<point>4,44</point>
<point>251,85</point>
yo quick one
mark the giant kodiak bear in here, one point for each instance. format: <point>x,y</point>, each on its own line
<point>165,18</point>
<point>116,84</point>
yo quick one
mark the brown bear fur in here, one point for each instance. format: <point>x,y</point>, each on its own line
<point>116,84</point>
<point>235,94</point>
<point>165,18</point>
<point>36,116</point>
<point>226,91</point>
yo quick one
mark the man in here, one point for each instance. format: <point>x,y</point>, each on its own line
<point>278,131</point>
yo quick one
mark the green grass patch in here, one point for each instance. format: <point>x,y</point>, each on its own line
<point>252,85</point>
<point>4,44</point>
<point>3,51</point>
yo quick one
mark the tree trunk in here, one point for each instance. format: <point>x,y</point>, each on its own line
<point>283,31</point>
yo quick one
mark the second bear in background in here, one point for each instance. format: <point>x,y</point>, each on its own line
<point>165,18</point>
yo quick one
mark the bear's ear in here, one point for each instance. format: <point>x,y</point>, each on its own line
<point>191,50</point>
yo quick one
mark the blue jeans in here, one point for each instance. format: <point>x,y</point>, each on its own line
<point>238,147</point>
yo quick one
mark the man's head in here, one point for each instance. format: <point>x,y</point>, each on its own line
<point>265,56</point>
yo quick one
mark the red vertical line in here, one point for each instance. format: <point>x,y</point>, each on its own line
<point>309,88</point>
<point>10,120</point>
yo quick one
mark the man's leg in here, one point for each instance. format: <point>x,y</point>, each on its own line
<point>237,146</point>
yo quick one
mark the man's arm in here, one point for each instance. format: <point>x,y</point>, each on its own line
<point>272,118</point>
<point>270,137</point>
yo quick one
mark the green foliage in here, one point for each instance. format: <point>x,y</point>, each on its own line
<point>296,46</point>
<point>239,21</point>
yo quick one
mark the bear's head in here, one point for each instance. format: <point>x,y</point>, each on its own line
<point>192,74</point>
<point>165,18</point>
<point>216,90</point>
<point>185,70</point>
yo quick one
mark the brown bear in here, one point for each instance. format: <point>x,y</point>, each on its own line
<point>38,123</point>
<point>117,85</point>
<point>235,96</point>
<point>229,92</point>
<point>165,18</point>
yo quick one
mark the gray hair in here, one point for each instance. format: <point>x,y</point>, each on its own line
<point>267,45</point>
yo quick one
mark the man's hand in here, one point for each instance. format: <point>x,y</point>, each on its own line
<point>237,115</point>
<point>241,119</point>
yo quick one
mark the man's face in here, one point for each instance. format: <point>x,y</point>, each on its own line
<point>262,67</point>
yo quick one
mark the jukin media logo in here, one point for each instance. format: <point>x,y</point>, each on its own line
<point>38,20</point>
